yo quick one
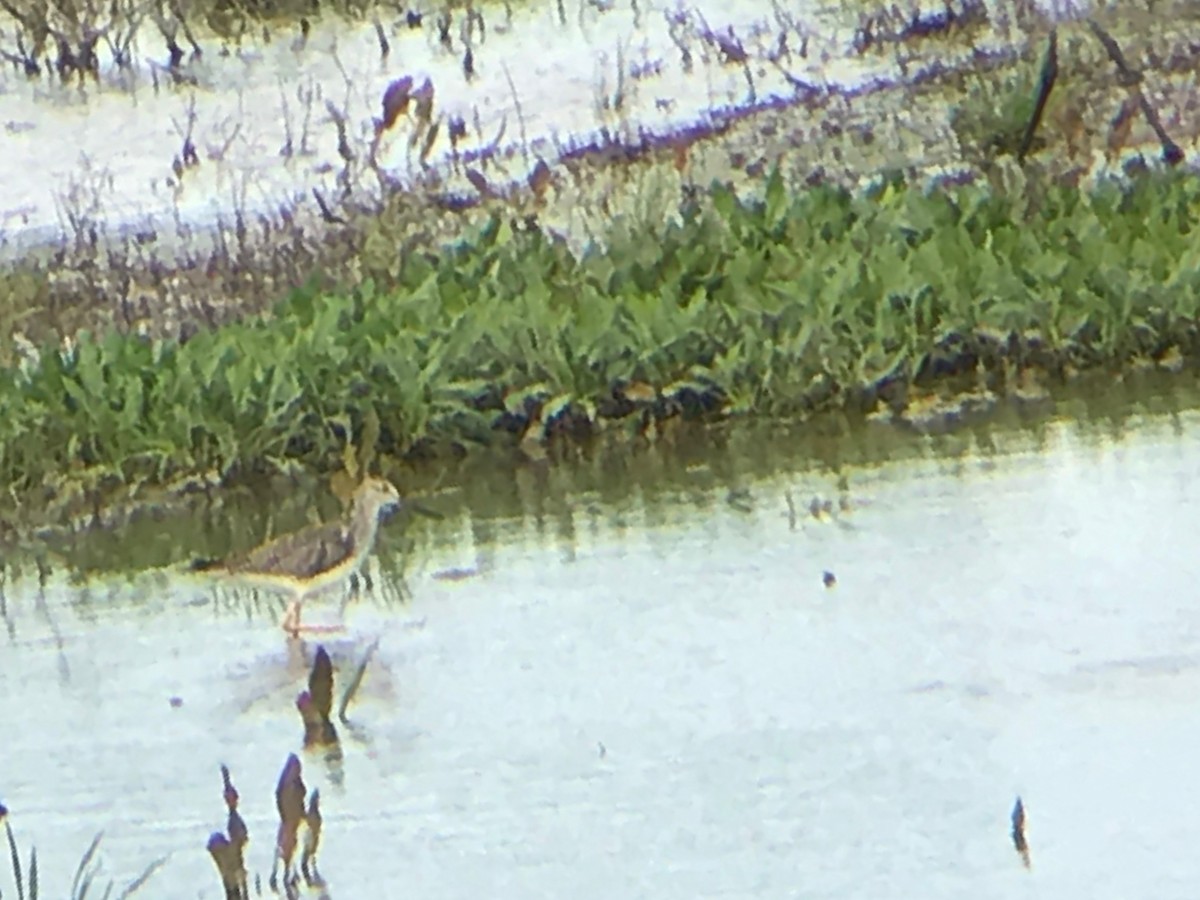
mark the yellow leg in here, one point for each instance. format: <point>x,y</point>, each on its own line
<point>291,622</point>
<point>291,619</point>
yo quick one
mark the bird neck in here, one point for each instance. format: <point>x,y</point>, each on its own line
<point>364,522</point>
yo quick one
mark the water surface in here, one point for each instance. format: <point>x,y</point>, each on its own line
<point>544,79</point>
<point>637,685</point>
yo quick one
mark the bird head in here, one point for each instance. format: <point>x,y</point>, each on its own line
<point>378,494</point>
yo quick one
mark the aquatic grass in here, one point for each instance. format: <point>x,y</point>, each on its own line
<point>103,278</point>
<point>81,40</point>
<point>15,862</point>
<point>86,882</point>
<point>801,300</point>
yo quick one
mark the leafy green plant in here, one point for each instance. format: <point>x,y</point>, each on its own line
<point>801,300</point>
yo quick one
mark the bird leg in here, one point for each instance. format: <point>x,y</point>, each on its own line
<point>360,581</point>
<point>291,618</point>
<point>291,622</point>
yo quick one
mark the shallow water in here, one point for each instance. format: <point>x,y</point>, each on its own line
<point>640,686</point>
<point>542,83</point>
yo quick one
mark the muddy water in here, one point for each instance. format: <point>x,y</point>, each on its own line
<point>628,680</point>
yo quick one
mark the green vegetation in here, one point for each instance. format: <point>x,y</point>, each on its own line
<point>786,306</point>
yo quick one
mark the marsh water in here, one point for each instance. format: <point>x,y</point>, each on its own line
<point>257,111</point>
<point>626,678</point>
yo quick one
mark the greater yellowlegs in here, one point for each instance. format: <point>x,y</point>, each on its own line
<point>308,562</point>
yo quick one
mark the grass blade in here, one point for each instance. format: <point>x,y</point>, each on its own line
<point>135,885</point>
<point>352,688</point>
<point>83,877</point>
<point>16,862</point>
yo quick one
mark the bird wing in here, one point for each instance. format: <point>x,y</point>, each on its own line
<point>302,554</point>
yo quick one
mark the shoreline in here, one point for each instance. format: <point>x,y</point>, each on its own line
<point>424,371</point>
<point>157,320</point>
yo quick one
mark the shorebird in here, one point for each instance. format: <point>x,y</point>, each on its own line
<point>312,560</point>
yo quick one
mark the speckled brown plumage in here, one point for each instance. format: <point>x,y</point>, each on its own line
<point>307,562</point>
